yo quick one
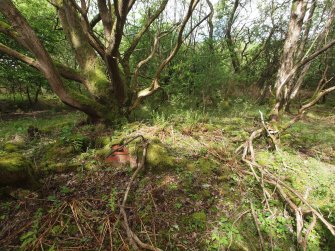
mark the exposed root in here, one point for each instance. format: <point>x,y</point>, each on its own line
<point>134,241</point>
<point>263,175</point>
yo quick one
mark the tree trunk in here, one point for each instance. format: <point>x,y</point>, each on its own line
<point>282,86</point>
<point>229,40</point>
<point>98,58</point>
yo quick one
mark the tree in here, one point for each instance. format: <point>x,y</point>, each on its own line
<point>285,88</point>
<point>96,32</point>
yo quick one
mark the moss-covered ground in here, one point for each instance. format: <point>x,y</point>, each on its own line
<point>191,194</point>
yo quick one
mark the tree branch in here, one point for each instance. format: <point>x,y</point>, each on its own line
<point>155,83</point>
<point>95,20</point>
<point>303,62</point>
<point>29,38</point>
<point>63,70</point>
<point>121,11</point>
<point>106,17</point>
<point>88,32</point>
<point>144,29</point>
<point>7,29</point>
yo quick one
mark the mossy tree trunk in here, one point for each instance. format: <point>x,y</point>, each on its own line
<point>104,68</point>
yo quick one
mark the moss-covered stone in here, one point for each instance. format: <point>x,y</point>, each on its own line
<point>57,158</point>
<point>14,169</point>
<point>158,158</point>
<point>103,152</point>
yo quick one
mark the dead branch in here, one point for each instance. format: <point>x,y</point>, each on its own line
<point>147,59</point>
<point>309,105</point>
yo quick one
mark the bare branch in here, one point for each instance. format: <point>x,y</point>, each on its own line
<point>95,20</point>
<point>143,30</point>
<point>210,19</point>
<point>302,63</point>
<point>147,59</point>
<point>155,83</point>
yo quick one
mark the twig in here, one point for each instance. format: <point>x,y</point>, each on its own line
<point>257,226</point>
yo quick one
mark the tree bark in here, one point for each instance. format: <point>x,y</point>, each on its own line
<point>298,11</point>
<point>29,40</point>
<point>229,39</point>
<point>99,58</point>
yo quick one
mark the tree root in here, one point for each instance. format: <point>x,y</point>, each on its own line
<point>134,240</point>
<point>263,175</point>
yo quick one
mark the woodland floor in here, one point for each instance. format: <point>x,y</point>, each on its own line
<point>201,202</point>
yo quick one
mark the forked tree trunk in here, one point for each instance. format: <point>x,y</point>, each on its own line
<point>108,92</point>
<point>282,85</point>
<point>285,88</point>
<point>300,76</point>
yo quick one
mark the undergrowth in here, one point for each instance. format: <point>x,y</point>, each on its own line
<point>201,203</point>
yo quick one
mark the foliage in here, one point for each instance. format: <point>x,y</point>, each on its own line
<point>30,237</point>
<point>194,185</point>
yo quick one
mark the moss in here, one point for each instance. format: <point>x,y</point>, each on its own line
<point>103,152</point>
<point>14,169</point>
<point>51,167</point>
<point>158,158</point>
<point>303,173</point>
<point>199,220</point>
<point>103,141</point>
<point>10,147</point>
<point>206,166</point>
<point>199,216</point>
<point>55,127</point>
<point>15,144</point>
<point>264,158</point>
<point>57,158</point>
<point>57,152</point>
<point>98,81</point>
